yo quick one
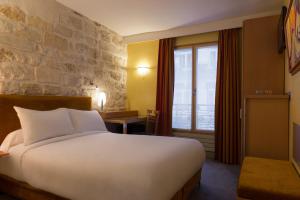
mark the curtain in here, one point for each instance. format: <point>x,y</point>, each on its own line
<point>228,98</point>
<point>165,85</point>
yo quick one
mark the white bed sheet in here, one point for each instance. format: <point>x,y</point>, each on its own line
<point>10,165</point>
<point>106,165</point>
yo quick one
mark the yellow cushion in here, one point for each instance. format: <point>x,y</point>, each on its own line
<point>268,179</point>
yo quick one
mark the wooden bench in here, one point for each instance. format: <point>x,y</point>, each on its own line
<point>266,179</point>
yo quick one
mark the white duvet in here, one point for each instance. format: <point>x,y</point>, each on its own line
<point>107,166</point>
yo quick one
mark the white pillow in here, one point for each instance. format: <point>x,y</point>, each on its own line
<point>41,125</point>
<point>85,121</point>
<point>12,139</point>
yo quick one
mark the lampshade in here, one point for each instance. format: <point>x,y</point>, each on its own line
<point>143,70</point>
<point>101,100</point>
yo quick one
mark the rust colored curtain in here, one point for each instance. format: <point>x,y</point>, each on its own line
<point>228,98</point>
<point>165,85</point>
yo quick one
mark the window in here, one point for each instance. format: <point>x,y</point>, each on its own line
<point>195,87</point>
<point>182,103</point>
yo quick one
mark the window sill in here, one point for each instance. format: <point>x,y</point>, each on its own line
<point>196,132</point>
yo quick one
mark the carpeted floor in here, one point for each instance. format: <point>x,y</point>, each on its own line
<point>218,183</point>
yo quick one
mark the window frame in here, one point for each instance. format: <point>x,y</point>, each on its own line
<point>194,87</point>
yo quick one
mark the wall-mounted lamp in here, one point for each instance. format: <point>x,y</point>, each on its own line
<point>101,98</point>
<point>143,69</point>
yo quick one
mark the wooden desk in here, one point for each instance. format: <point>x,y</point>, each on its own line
<point>125,121</point>
<point>2,154</point>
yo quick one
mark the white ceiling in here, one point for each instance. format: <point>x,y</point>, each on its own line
<point>129,17</point>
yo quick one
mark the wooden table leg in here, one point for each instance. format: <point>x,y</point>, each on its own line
<point>124,128</point>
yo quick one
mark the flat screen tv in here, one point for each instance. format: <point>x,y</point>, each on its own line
<point>296,147</point>
<point>281,32</point>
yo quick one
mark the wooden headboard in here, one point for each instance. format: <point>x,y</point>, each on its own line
<point>8,117</point>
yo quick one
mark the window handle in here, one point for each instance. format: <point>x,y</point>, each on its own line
<point>194,92</point>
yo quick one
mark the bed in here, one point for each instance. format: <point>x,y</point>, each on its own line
<point>93,165</point>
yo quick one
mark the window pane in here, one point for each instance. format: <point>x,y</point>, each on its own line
<point>182,105</point>
<point>206,87</point>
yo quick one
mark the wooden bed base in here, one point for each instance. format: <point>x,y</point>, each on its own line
<point>24,191</point>
<point>186,190</point>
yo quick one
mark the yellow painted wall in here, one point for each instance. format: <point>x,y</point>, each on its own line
<point>141,90</point>
<point>197,39</point>
<point>292,85</point>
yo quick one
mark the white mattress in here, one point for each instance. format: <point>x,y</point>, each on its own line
<point>106,165</point>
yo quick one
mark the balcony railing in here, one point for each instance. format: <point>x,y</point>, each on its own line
<point>205,116</point>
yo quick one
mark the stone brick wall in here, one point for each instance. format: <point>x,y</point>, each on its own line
<point>48,49</point>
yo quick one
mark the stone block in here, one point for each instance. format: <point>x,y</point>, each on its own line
<point>6,55</point>
<point>92,53</point>
<point>72,57</point>
<point>81,48</point>
<point>19,42</point>
<point>91,61</point>
<point>78,36</point>
<point>91,42</point>
<point>48,76</point>
<point>117,40</point>
<point>99,73</point>
<point>14,71</point>
<point>90,28</point>
<point>69,91</point>
<point>105,36</point>
<point>6,26</point>
<point>55,41</point>
<point>115,76</point>
<point>72,80</point>
<point>31,89</point>
<point>63,31</point>
<point>51,90</point>
<point>86,50</point>
<point>107,46</point>
<point>107,57</point>
<point>38,23</point>
<point>71,68</point>
<point>120,61</point>
<point>29,34</point>
<point>13,13</point>
<point>10,87</point>
<point>71,21</point>
<point>87,81</point>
